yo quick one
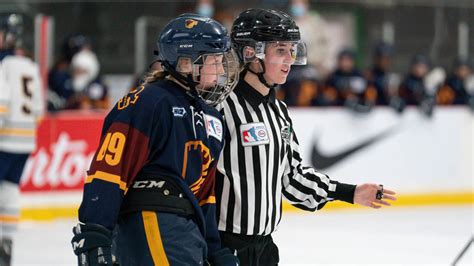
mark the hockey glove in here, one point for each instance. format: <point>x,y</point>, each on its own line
<point>92,244</point>
<point>398,104</point>
<point>223,257</point>
<point>427,105</point>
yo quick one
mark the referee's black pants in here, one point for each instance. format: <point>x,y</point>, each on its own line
<point>252,250</point>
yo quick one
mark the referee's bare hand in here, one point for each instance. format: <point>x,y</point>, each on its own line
<point>366,195</point>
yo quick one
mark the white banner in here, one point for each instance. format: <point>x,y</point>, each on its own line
<point>409,152</point>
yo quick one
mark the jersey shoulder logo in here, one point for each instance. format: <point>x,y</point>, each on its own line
<point>130,98</point>
<point>253,134</point>
<point>178,111</point>
<point>214,127</point>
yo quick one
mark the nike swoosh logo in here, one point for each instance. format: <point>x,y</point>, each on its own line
<point>323,161</point>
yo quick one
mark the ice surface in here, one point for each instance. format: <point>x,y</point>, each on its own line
<point>402,236</point>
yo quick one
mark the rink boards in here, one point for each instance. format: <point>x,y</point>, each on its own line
<point>428,161</point>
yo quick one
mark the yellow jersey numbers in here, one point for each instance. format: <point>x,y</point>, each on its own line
<point>112,148</point>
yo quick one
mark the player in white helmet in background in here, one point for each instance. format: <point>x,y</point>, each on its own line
<point>89,91</point>
<point>21,106</point>
<point>74,81</point>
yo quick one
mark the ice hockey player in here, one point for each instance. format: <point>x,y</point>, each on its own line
<point>21,107</point>
<point>152,177</point>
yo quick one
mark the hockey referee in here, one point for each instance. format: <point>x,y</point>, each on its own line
<point>261,161</point>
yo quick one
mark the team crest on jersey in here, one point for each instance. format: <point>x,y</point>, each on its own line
<point>254,134</point>
<point>286,134</point>
<point>179,111</point>
<point>214,127</point>
<point>190,23</point>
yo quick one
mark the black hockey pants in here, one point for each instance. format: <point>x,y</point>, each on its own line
<point>252,250</point>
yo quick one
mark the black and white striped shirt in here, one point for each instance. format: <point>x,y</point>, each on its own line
<point>261,162</point>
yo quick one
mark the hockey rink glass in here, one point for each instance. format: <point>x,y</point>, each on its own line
<point>292,52</point>
<point>217,75</point>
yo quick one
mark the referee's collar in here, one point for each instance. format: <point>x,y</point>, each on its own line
<point>253,96</point>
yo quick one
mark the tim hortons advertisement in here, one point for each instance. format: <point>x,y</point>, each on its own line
<point>65,146</point>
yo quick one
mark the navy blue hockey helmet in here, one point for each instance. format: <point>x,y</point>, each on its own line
<point>195,37</point>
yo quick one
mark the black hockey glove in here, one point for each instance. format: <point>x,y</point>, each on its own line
<point>427,106</point>
<point>398,104</point>
<point>92,244</point>
<point>223,257</point>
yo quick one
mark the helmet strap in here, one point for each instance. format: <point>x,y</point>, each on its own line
<point>185,80</point>
<point>260,76</point>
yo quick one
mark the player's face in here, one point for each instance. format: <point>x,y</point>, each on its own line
<point>346,64</point>
<point>211,69</point>
<point>278,60</point>
<point>383,62</point>
<point>463,72</point>
<point>419,70</point>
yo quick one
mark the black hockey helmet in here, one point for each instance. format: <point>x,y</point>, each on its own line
<point>346,53</point>
<point>383,49</point>
<point>255,27</point>
<point>420,59</point>
<point>12,27</point>
<point>72,44</point>
<point>461,61</point>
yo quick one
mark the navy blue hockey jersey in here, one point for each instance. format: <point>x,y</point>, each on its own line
<point>156,130</point>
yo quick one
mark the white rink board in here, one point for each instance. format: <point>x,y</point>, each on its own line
<point>419,155</point>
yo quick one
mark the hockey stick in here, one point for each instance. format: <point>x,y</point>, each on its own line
<point>463,251</point>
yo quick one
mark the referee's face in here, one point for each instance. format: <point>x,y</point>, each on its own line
<point>278,60</point>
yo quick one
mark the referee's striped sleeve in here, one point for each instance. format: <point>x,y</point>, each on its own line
<point>305,187</point>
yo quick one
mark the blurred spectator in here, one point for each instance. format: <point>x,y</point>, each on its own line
<point>314,33</point>
<point>413,90</point>
<point>11,26</point>
<point>347,87</point>
<point>379,76</point>
<point>205,8</point>
<point>419,86</point>
<point>302,87</point>
<point>59,77</point>
<point>454,90</point>
<point>88,90</point>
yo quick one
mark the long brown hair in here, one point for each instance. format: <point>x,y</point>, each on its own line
<point>153,76</point>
